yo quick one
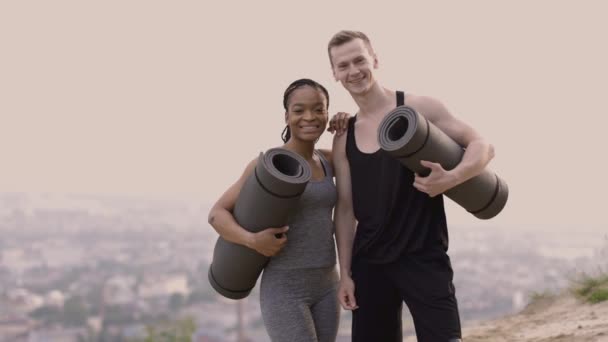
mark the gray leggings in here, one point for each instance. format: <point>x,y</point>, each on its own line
<point>300,305</point>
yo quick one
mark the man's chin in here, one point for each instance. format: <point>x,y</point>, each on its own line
<point>357,90</point>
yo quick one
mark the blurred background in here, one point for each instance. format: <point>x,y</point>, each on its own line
<point>122,122</point>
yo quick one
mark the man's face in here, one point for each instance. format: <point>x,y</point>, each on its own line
<point>353,66</point>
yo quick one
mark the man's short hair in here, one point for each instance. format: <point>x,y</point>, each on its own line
<point>346,36</point>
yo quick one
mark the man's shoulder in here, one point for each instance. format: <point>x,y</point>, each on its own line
<point>414,100</point>
<point>424,104</point>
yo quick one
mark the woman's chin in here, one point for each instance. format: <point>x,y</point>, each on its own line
<point>309,138</point>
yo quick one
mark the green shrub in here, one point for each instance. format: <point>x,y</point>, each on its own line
<point>592,289</point>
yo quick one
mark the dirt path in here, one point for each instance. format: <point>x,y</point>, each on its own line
<point>559,319</point>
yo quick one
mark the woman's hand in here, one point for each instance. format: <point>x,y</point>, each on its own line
<point>268,242</point>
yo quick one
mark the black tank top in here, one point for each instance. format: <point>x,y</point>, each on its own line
<point>394,218</point>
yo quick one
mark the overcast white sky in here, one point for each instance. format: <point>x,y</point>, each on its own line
<point>160,98</point>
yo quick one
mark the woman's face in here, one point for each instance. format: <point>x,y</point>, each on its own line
<point>306,113</point>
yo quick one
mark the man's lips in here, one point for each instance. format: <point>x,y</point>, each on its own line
<point>355,81</point>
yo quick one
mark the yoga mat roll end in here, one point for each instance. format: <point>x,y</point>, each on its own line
<point>236,295</point>
<point>497,204</point>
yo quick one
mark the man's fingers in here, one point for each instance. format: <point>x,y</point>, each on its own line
<point>343,299</point>
<point>343,303</point>
<point>431,165</point>
<point>346,305</point>
<point>331,126</point>
<point>352,301</point>
<point>346,299</point>
<point>420,182</point>
<point>427,163</point>
<point>420,187</point>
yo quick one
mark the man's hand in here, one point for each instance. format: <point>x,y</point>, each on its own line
<point>346,293</point>
<point>269,242</point>
<point>437,182</point>
<point>338,123</point>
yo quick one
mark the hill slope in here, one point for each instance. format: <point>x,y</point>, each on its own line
<point>561,318</point>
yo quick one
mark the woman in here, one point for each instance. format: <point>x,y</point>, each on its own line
<point>298,287</point>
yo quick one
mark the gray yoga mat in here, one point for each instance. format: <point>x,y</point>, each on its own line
<point>410,137</point>
<point>266,200</point>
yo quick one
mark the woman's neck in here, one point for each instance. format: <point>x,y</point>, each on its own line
<point>303,148</point>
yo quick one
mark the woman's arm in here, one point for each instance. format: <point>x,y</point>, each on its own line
<point>222,220</point>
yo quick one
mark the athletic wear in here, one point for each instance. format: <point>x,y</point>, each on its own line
<point>399,252</point>
<point>310,239</point>
<point>300,305</point>
<point>393,216</point>
<point>298,288</point>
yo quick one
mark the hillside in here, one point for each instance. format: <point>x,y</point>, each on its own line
<point>561,318</point>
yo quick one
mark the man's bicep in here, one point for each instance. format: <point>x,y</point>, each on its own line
<point>458,130</point>
<point>449,124</point>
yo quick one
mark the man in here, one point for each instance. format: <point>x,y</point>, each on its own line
<point>398,253</point>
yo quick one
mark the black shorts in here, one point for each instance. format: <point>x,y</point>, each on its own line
<point>423,282</point>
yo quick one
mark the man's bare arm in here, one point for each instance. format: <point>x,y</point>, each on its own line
<point>478,152</point>
<point>344,218</point>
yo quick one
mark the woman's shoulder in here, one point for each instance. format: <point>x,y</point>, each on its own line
<point>327,154</point>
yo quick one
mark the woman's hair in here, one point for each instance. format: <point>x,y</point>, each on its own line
<point>290,89</point>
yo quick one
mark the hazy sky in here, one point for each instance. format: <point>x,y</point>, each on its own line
<point>175,97</point>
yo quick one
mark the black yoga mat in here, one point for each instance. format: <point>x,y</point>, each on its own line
<point>265,201</point>
<point>410,137</point>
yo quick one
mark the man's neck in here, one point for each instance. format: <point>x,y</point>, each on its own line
<point>371,102</point>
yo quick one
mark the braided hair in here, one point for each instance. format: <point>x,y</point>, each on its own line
<point>286,134</point>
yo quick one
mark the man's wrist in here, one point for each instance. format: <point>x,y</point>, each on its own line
<point>345,272</point>
<point>456,176</point>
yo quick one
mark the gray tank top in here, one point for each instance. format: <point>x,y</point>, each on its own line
<point>310,239</point>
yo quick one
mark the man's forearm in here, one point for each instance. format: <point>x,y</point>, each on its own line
<point>345,234</point>
<point>476,157</point>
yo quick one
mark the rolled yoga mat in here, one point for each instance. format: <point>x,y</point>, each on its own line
<point>410,137</point>
<point>265,201</point>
